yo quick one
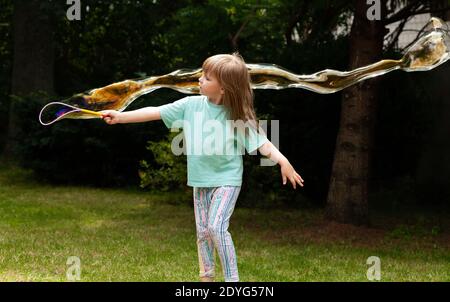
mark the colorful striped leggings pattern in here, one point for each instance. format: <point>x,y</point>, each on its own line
<point>213,208</point>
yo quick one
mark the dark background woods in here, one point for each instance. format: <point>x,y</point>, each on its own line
<point>46,57</point>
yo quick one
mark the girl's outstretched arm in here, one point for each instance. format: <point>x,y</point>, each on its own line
<point>136,116</point>
<point>287,171</point>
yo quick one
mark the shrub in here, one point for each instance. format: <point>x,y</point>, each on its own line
<point>169,171</point>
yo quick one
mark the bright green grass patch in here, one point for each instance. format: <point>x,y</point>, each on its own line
<point>121,235</point>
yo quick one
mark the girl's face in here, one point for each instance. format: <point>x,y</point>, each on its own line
<point>210,87</point>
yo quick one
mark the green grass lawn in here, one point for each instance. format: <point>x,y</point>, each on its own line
<point>123,235</point>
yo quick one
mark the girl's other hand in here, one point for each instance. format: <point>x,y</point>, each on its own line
<point>288,172</point>
<point>110,116</point>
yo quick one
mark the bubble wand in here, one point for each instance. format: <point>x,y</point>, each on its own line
<point>65,110</point>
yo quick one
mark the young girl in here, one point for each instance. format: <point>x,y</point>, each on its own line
<point>216,177</point>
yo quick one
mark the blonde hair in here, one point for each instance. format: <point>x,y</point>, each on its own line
<point>232,74</point>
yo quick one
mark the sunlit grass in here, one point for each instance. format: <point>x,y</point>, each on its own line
<point>122,235</point>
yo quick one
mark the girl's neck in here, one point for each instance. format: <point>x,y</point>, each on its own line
<point>216,100</point>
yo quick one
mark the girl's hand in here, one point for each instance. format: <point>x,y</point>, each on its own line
<point>110,116</point>
<point>288,172</point>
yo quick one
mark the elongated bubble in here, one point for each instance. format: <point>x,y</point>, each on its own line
<point>430,51</point>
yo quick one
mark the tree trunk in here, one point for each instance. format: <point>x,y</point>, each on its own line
<point>33,60</point>
<point>433,172</point>
<point>347,200</point>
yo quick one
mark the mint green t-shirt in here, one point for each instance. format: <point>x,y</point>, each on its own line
<point>212,143</point>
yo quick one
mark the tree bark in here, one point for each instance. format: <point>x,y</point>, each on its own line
<point>433,172</point>
<point>32,63</point>
<point>347,200</point>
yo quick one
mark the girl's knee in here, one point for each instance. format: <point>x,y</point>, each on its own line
<point>203,234</point>
<point>216,232</point>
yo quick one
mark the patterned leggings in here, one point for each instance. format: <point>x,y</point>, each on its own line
<point>213,208</point>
